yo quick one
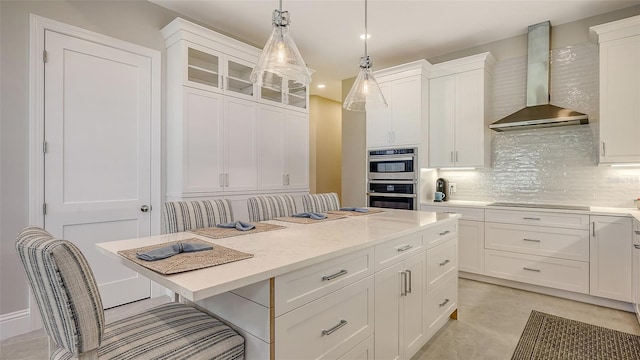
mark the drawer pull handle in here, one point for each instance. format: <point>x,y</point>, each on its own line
<point>404,248</point>
<point>530,269</point>
<point>338,274</point>
<point>531,218</point>
<point>532,240</point>
<point>637,232</point>
<point>444,232</point>
<point>445,262</point>
<point>636,246</point>
<point>333,329</point>
<point>403,283</point>
<point>443,303</point>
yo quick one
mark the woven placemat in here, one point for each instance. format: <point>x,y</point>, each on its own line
<point>551,337</point>
<point>301,220</point>
<point>186,261</point>
<point>219,233</point>
<point>355,213</point>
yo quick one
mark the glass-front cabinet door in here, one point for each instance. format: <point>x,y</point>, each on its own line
<point>272,92</point>
<point>237,79</point>
<point>297,95</point>
<point>203,68</point>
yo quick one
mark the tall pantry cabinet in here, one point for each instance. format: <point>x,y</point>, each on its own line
<point>225,135</point>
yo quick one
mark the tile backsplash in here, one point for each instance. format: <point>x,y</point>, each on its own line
<point>553,165</point>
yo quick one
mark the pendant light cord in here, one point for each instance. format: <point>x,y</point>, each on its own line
<point>366,34</point>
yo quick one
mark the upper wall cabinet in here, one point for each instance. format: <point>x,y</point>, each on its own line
<point>404,121</point>
<point>458,118</point>
<point>619,43</point>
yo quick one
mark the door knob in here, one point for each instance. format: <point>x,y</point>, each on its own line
<point>145,208</point>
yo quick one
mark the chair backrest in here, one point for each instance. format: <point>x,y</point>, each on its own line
<point>272,206</point>
<point>320,202</point>
<point>186,215</point>
<point>65,290</point>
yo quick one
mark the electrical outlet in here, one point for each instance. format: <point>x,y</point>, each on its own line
<point>452,188</point>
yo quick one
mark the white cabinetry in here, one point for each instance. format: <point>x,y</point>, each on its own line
<point>635,278</point>
<point>541,248</point>
<point>404,121</point>
<point>283,138</point>
<point>458,112</point>
<point>619,44</point>
<point>218,140</point>
<point>470,236</point>
<point>611,257</point>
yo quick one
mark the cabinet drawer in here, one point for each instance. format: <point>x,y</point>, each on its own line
<point>570,244</point>
<point>440,233</point>
<point>466,212</point>
<point>328,327</point>
<point>441,262</point>
<point>538,218</point>
<point>305,285</point>
<point>362,351</point>
<point>440,303</point>
<point>538,270</point>
<point>392,251</point>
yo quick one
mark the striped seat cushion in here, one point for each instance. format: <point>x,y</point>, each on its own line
<point>169,331</point>
<point>186,215</point>
<point>263,208</point>
<point>320,202</point>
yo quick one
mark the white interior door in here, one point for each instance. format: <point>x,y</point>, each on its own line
<point>98,158</point>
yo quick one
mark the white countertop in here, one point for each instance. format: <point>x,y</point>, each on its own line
<point>594,210</point>
<point>280,251</point>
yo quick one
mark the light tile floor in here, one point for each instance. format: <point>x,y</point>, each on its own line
<point>490,321</point>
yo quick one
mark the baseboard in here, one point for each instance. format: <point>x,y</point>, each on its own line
<point>15,323</point>
<point>585,298</point>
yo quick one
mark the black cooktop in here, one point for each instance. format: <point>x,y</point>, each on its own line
<point>541,206</point>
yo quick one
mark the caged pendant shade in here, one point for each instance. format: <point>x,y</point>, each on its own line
<point>280,58</point>
<point>365,94</point>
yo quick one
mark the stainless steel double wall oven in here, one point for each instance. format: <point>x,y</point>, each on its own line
<point>393,178</point>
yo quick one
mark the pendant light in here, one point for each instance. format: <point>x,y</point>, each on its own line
<point>280,57</point>
<point>365,94</point>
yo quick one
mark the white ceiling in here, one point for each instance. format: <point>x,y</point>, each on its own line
<point>327,31</point>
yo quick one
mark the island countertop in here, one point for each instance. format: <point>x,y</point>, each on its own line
<point>280,251</point>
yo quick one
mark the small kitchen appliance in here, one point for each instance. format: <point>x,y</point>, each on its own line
<point>393,178</point>
<point>442,185</point>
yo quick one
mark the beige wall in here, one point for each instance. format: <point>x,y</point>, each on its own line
<point>325,150</point>
<point>353,153</point>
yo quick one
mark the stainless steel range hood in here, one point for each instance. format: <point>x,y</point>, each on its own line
<point>539,113</point>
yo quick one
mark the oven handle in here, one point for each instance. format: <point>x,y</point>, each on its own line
<point>391,195</point>
<point>401,182</point>
<point>392,158</point>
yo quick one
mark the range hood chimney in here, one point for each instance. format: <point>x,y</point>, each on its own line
<point>539,113</point>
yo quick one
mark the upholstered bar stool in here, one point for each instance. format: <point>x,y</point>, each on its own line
<point>320,202</point>
<point>69,302</point>
<point>180,216</point>
<point>263,208</point>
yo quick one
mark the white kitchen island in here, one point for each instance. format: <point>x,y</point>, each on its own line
<point>347,288</point>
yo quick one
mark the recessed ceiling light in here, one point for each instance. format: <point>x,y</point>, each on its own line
<point>362,36</point>
<point>321,86</point>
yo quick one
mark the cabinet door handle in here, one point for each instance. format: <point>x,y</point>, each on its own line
<point>531,218</point>
<point>456,155</point>
<point>637,232</point>
<point>593,228</point>
<point>288,180</point>
<point>530,269</point>
<point>404,248</point>
<point>445,262</point>
<point>336,275</point>
<point>226,180</point>
<point>284,179</point>
<point>409,281</point>
<point>532,240</point>
<point>445,302</point>
<point>333,329</point>
<point>636,246</point>
<point>403,283</point>
<point>221,180</point>
<point>444,232</point>
<point>604,150</point>
<point>451,156</point>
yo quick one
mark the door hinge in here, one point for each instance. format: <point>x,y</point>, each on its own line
<point>44,147</point>
<point>44,56</point>
<point>44,208</point>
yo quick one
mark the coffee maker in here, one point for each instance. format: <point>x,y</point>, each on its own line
<point>442,185</point>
